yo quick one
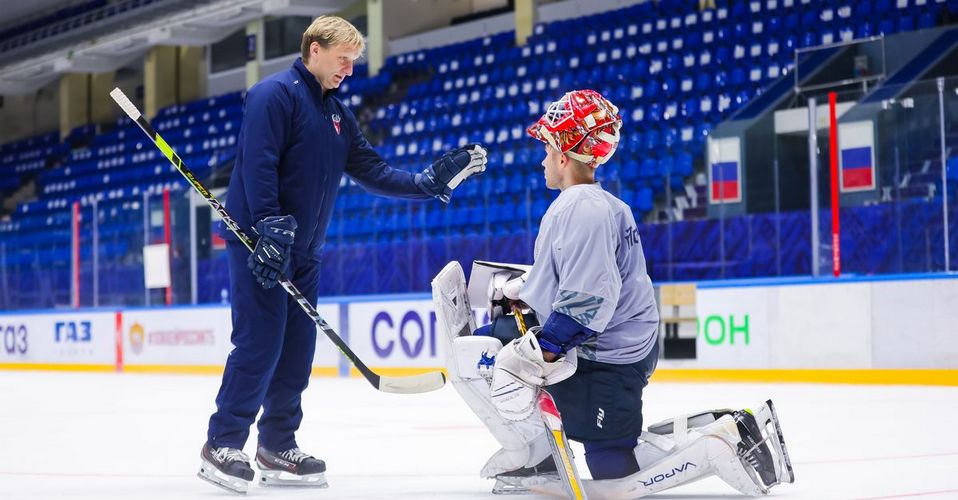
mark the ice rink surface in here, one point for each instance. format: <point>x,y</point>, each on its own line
<point>127,436</point>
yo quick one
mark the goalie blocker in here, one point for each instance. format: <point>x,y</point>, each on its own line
<point>744,448</point>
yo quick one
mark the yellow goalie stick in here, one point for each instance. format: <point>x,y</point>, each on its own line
<point>424,382</point>
<point>561,452</point>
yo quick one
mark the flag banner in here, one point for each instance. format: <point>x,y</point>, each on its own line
<point>725,170</point>
<point>857,156</point>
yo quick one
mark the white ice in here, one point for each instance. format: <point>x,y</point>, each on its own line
<point>124,436</point>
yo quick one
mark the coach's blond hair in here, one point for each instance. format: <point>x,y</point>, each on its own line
<point>329,31</point>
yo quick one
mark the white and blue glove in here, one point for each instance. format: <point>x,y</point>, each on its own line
<point>446,173</point>
<point>520,371</point>
<point>271,257</point>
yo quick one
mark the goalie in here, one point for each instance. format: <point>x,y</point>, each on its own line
<point>593,342</point>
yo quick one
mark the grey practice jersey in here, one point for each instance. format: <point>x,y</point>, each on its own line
<point>589,265</point>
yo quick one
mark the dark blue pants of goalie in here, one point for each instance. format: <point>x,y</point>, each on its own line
<point>270,364</point>
<point>601,407</point>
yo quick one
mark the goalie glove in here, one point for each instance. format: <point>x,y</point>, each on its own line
<point>520,371</point>
<point>446,173</point>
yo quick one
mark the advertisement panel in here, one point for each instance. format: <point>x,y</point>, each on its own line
<point>327,357</point>
<point>822,326</point>
<point>733,328</point>
<point>181,336</point>
<point>198,336</point>
<point>58,338</point>
<point>395,334</point>
<point>399,334</point>
<point>914,324</point>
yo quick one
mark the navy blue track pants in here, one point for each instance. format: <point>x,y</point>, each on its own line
<point>270,364</point>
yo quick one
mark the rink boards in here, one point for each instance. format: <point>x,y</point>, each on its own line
<point>890,330</point>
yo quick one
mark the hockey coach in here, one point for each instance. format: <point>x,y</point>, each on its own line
<point>296,143</point>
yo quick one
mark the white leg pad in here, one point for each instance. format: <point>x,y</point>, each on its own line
<point>690,454</point>
<point>709,450</point>
<point>469,360</point>
<point>523,442</point>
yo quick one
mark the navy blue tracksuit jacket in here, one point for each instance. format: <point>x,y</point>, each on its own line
<point>295,145</point>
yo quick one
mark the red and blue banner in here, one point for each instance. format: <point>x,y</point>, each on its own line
<point>725,181</point>
<point>857,169</point>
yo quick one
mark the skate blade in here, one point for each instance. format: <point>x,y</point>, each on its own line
<point>211,475</point>
<point>788,474</point>
<point>510,486</point>
<point>283,479</point>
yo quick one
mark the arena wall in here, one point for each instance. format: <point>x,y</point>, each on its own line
<point>886,330</point>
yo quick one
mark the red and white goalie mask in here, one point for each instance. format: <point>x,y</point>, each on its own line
<point>583,125</point>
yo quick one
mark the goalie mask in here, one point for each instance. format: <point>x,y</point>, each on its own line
<point>582,125</point>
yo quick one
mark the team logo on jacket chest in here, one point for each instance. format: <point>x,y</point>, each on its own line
<point>336,120</point>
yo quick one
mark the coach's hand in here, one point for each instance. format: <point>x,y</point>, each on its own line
<point>270,259</point>
<point>446,173</point>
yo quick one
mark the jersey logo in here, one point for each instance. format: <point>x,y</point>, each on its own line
<point>599,417</point>
<point>631,237</point>
<point>336,121</point>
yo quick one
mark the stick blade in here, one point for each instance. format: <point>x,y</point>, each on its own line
<point>414,384</point>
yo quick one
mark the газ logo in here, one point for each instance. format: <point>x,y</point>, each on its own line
<point>137,337</point>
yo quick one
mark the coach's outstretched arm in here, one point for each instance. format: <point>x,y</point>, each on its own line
<point>371,171</point>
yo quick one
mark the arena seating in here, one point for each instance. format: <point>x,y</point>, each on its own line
<point>674,71</point>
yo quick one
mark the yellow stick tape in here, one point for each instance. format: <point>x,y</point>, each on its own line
<point>567,464</point>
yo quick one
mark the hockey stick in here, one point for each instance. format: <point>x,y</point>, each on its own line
<point>424,382</point>
<point>561,452</point>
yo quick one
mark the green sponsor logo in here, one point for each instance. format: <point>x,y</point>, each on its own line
<point>718,330</point>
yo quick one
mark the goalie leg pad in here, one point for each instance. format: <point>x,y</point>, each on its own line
<point>523,441</point>
<point>671,460</point>
<point>453,312</point>
<point>469,360</point>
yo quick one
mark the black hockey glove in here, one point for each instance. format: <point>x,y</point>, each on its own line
<point>270,259</point>
<point>446,173</point>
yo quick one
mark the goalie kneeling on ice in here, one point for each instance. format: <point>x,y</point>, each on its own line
<point>745,449</point>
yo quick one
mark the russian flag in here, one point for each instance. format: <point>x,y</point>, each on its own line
<point>857,170</point>
<point>725,182</point>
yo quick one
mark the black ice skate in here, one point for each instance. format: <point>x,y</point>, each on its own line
<point>511,483</point>
<point>763,446</point>
<point>290,468</point>
<point>227,468</point>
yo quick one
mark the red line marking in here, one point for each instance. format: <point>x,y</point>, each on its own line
<point>903,495</point>
<point>119,341</point>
